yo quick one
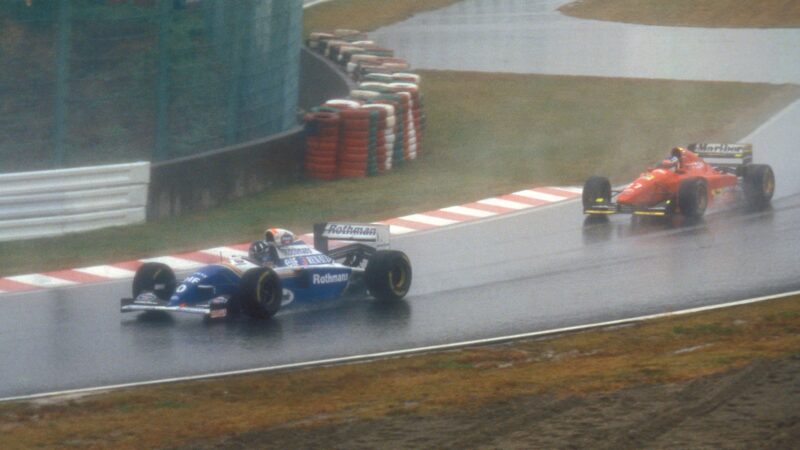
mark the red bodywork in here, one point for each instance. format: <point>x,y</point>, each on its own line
<point>661,184</point>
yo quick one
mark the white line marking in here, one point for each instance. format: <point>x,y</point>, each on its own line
<point>397,229</point>
<point>508,204</point>
<point>573,189</point>
<point>106,271</point>
<point>540,196</point>
<point>41,280</point>
<point>410,351</point>
<point>464,211</point>
<point>429,220</point>
<point>175,263</point>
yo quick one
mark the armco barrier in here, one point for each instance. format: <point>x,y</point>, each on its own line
<point>54,202</point>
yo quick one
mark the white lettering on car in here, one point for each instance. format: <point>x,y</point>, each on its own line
<point>340,231</point>
<point>329,278</point>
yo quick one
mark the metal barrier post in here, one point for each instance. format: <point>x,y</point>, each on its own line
<point>62,82</point>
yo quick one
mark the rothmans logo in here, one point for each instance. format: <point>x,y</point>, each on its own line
<point>329,278</point>
<point>350,232</point>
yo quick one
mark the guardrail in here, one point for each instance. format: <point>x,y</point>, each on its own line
<point>55,202</point>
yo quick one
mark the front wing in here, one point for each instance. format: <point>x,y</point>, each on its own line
<point>217,308</point>
<point>609,208</point>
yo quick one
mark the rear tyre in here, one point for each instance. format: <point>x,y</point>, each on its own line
<point>154,277</point>
<point>759,185</point>
<point>693,197</point>
<point>260,293</point>
<point>388,275</point>
<point>596,190</point>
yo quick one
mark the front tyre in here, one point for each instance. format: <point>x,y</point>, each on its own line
<point>693,197</point>
<point>759,185</point>
<point>596,190</point>
<point>260,293</point>
<point>388,275</point>
<point>154,277</point>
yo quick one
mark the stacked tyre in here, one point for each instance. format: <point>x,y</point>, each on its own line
<point>415,116</point>
<point>398,144</point>
<point>386,135</point>
<point>322,144</point>
<point>358,149</point>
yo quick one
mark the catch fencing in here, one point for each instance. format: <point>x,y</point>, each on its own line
<point>88,82</point>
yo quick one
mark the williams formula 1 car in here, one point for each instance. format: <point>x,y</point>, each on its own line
<point>686,183</point>
<point>300,274</point>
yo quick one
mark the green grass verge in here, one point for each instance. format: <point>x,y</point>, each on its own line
<point>488,134</point>
<point>691,13</point>
<point>677,349</point>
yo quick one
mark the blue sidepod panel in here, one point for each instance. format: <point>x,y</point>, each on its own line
<point>312,283</point>
<point>224,279</point>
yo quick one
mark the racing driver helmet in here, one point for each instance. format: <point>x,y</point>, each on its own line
<point>278,237</point>
<point>673,161</point>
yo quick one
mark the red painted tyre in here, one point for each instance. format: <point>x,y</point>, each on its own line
<point>327,160</point>
<point>346,173</point>
<point>356,159</point>
<point>355,114</point>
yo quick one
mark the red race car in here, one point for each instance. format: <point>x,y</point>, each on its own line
<point>685,183</point>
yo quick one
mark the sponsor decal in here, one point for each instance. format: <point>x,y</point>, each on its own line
<point>292,262</point>
<point>146,298</point>
<point>315,259</point>
<point>288,297</point>
<point>349,232</point>
<point>217,313</point>
<point>295,250</point>
<point>329,278</point>
<point>724,148</point>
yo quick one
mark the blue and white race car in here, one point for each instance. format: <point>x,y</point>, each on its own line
<point>286,272</point>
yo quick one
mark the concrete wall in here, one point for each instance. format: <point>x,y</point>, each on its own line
<point>213,178</point>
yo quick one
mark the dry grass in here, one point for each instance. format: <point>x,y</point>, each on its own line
<point>663,351</point>
<point>365,15</point>
<point>692,13</point>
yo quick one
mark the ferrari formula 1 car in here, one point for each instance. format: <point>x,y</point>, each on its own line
<point>300,274</point>
<point>686,183</point>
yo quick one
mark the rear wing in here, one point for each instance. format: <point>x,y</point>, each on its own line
<point>350,232</point>
<point>724,155</point>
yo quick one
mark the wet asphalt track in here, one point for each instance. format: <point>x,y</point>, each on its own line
<point>527,272</point>
<point>532,271</point>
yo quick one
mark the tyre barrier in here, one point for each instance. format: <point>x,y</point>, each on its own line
<point>322,144</point>
<point>379,126</point>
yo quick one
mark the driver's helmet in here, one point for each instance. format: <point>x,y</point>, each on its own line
<point>670,164</point>
<point>259,251</point>
<point>278,237</point>
<point>673,162</point>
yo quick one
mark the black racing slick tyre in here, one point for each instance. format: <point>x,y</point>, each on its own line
<point>758,184</point>
<point>154,277</point>
<point>260,293</point>
<point>596,190</point>
<point>693,197</point>
<point>388,275</point>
